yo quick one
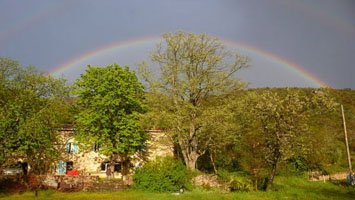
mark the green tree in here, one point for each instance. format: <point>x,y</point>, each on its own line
<point>32,107</point>
<point>193,70</point>
<point>220,133</point>
<point>111,100</point>
<point>282,120</point>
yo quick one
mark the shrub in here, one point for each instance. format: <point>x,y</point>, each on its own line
<point>237,181</point>
<point>298,164</point>
<point>161,175</point>
<point>241,184</point>
<point>263,182</point>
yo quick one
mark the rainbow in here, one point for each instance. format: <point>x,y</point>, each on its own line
<point>103,50</point>
<point>140,41</point>
<point>276,59</point>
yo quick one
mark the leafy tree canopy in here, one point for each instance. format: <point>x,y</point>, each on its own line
<point>32,107</point>
<point>283,119</point>
<point>111,100</point>
<point>193,69</point>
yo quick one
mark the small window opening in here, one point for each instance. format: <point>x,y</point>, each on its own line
<point>70,166</point>
<point>105,165</point>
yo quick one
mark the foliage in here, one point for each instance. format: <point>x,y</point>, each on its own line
<point>281,120</point>
<point>323,139</point>
<point>241,184</point>
<point>32,107</point>
<point>236,181</point>
<point>111,100</point>
<point>161,175</point>
<point>298,164</point>
<point>193,70</point>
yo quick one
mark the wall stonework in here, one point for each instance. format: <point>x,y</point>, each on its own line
<point>319,177</point>
<point>85,183</point>
<point>158,145</point>
<point>89,162</point>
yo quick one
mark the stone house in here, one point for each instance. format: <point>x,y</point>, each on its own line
<point>74,161</point>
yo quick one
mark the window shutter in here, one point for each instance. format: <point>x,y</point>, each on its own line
<point>62,169</point>
<point>75,148</point>
<point>68,147</point>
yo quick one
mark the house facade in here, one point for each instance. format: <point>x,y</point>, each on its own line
<point>75,161</point>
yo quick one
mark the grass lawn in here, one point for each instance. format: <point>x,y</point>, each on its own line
<point>285,188</point>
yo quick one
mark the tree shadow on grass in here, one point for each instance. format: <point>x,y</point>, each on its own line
<point>9,186</point>
<point>12,185</point>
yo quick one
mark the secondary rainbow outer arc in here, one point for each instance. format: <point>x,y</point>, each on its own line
<point>32,20</point>
<point>324,18</point>
<point>301,6</point>
<point>123,44</point>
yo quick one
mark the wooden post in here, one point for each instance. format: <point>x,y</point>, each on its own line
<point>347,145</point>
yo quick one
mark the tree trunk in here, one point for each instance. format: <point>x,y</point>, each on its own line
<point>125,162</point>
<point>125,168</point>
<point>191,160</point>
<point>213,164</point>
<point>256,176</point>
<point>273,172</point>
<point>191,164</point>
<point>190,155</point>
<point>189,147</point>
<point>112,164</point>
<point>177,151</point>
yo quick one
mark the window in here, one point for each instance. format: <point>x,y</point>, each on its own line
<point>117,167</point>
<point>70,166</point>
<point>96,147</point>
<point>72,148</point>
<point>105,165</point>
<point>75,148</point>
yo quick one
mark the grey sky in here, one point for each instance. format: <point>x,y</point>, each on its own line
<point>317,35</point>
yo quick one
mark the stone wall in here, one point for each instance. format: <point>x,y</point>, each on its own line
<point>319,177</point>
<point>107,186</point>
<point>206,181</point>
<point>85,183</point>
<point>68,183</point>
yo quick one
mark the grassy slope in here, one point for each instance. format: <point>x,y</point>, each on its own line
<point>285,188</point>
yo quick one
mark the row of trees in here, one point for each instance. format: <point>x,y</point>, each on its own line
<point>105,102</point>
<point>194,94</point>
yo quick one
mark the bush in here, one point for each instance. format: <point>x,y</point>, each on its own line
<point>237,181</point>
<point>162,175</point>
<point>241,184</point>
<point>298,165</point>
<point>263,182</point>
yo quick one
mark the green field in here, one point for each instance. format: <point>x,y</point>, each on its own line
<point>285,188</point>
